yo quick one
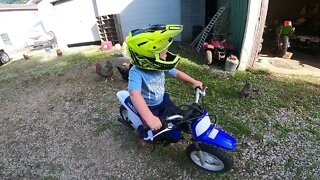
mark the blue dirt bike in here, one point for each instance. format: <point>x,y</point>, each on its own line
<point>209,143</point>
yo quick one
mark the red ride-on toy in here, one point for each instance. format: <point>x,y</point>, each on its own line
<point>217,49</point>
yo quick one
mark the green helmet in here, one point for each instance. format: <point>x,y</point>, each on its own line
<point>144,46</point>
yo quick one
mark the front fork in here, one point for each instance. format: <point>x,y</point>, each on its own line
<point>199,152</point>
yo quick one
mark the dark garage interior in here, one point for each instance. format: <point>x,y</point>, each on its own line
<point>303,39</point>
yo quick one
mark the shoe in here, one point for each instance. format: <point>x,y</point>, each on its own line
<point>141,143</point>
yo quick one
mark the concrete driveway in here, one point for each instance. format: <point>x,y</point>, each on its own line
<point>300,63</point>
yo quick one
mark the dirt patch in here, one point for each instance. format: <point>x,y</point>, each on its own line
<point>66,127</point>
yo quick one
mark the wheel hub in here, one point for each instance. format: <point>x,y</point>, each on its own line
<point>211,162</point>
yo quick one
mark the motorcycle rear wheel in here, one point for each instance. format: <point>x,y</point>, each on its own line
<point>215,159</point>
<point>124,117</point>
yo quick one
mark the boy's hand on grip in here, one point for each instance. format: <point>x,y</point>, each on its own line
<point>154,123</point>
<point>197,83</point>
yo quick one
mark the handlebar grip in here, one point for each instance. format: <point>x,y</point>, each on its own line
<point>163,121</point>
<point>147,128</point>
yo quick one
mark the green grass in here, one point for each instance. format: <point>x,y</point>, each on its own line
<point>103,127</point>
<point>49,178</point>
<point>282,128</point>
<point>2,167</point>
<point>315,130</point>
<point>55,168</point>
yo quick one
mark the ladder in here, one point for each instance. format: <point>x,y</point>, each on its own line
<point>215,25</point>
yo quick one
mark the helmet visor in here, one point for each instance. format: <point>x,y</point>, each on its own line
<point>170,59</point>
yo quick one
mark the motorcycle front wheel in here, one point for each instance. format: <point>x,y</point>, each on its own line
<point>214,159</point>
<point>283,45</point>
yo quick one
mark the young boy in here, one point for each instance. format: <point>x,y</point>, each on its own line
<point>148,49</point>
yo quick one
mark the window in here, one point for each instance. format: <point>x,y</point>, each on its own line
<point>6,40</point>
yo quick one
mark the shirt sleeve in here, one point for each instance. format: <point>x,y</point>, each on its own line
<point>134,81</point>
<point>172,72</point>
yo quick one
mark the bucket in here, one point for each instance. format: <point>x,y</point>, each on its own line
<point>106,45</point>
<point>47,50</point>
<point>231,65</point>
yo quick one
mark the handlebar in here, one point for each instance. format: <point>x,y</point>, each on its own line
<point>165,120</point>
<point>199,92</point>
<point>170,126</point>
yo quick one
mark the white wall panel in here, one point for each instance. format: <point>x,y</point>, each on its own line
<point>19,25</point>
<point>76,21</point>
<point>135,14</point>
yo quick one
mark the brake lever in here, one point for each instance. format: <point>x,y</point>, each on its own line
<point>176,116</point>
<point>169,127</point>
<point>198,93</point>
<point>203,93</point>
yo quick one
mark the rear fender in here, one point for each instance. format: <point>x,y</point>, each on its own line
<point>133,114</point>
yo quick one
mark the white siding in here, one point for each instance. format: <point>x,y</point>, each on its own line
<point>135,14</point>
<point>76,21</point>
<point>48,16</point>
<point>19,25</point>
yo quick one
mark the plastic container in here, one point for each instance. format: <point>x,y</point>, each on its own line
<point>47,50</point>
<point>231,65</point>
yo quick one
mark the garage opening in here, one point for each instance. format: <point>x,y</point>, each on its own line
<point>291,35</point>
